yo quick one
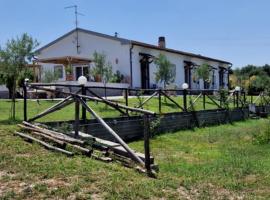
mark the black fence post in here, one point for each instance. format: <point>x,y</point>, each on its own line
<point>204,100</point>
<point>159,101</point>
<point>245,100</point>
<point>237,99</point>
<point>126,97</point>
<point>185,99</point>
<point>83,109</point>
<point>24,101</point>
<point>77,118</point>
<point>146,143</point>
<point>234,99</point>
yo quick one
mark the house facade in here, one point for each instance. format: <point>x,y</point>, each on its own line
<point>133,59</point>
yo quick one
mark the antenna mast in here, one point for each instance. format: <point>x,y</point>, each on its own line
<point>76,24</point>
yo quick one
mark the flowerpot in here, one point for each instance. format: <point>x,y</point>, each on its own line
<point>98,78</point>
<point>69,77</point>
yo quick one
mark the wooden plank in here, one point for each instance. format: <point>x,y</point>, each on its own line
<point>54,134</point>
<point>57,141</point>
<point>48,146</point>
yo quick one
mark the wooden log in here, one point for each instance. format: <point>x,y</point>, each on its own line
<point>113,133</point>
<point>173,101</point>
<point>54,134</point>
<point>54,108</point>
<point>147,143</point>
<point>103,145</point>
<point>195,100</point>
<point>103,100</point>
<point>110,103</point>
<point>82,149</point>
<point>213,101</point>
<point>77,118</point>
<point>146,100</point>
<point>48,146</point>
<point>57,141</point>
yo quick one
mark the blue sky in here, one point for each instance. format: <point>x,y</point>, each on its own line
<point>234,30</point>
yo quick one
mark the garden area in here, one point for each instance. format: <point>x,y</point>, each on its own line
<point>203,163</point>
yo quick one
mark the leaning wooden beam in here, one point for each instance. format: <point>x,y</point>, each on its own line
<point>113,133</point>
<point>146,100</point>
<point>58,137</point>
<point>195,100</point>
<point>173,101</point>
<point>258,97</point>
<point>57,141</point>
<point>54,108</point>
<point>117,149</point>
<point>214,101</point>
<point>107,102</point>
<point>82,149</point>
<point>48,146</point>
<point>100,100</point>
<point>54,134</point>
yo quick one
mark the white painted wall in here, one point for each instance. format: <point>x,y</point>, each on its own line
<point>88,45</point>
<point>114,49</point>
<point>176,59</point>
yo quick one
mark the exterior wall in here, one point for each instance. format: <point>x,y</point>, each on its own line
<point>88,45</point>
<point>176,59</point>
<point>3,92</point>
<point>136,66</point>
<point>120,50</point>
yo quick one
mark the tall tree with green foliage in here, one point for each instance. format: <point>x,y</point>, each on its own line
<point>203,72</point>
<point>165,70</point>
<point>14,57</point>
<point>252,78</point>
<point>102,68</point>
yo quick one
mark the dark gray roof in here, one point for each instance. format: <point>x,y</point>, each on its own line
<point>126,41</point>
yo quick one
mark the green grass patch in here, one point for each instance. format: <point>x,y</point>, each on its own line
<point>219,162</point>
<point>67,113</point>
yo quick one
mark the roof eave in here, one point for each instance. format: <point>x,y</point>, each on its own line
<point>179,52</point>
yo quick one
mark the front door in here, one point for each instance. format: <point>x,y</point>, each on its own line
<point>145,82</point>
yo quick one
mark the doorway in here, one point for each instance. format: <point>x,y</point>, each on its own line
<point>82,71</point>
<point>145,77</point>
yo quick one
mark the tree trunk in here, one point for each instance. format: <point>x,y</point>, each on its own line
<point>13,103</point>
<point>164,87</point>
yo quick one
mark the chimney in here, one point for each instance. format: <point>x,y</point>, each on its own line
<point>161,42</point>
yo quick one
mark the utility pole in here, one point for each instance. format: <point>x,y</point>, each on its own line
<point>76,24</point>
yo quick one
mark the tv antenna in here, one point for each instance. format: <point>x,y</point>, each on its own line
<point>76,23</point>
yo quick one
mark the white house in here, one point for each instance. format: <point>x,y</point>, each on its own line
<point>132,58</point>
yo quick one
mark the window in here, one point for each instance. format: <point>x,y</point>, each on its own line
<point>58,71</point>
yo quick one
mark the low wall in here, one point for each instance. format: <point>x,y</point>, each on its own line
<point>131,128</point>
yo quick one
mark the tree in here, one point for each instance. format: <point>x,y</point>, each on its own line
<point>203,72</point>
<point>14,58</point>
<point>165,70</point>
<point>102,68</point>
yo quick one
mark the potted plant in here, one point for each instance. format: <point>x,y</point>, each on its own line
<point>69,73</point>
